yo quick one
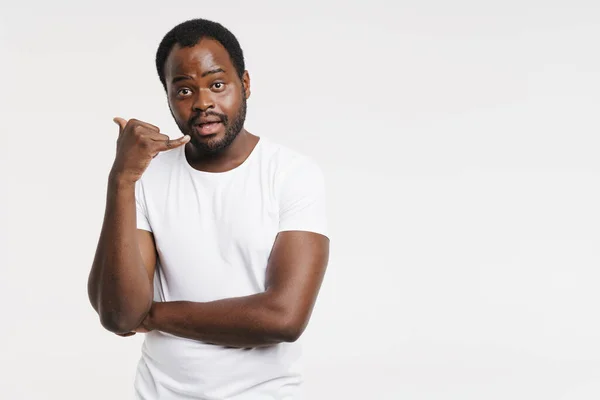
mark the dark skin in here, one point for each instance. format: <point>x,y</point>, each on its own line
<point>200,80</point>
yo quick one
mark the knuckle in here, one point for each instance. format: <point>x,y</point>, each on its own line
<point>139,134</point>
<point>140,139</point>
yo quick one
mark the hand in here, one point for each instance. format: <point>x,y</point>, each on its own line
<point>138,143</point>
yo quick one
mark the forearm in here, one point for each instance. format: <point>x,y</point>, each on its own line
<point>249,321</point>
<point>119,287</point>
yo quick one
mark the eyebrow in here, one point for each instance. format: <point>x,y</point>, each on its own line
<point>204,74</point>
<point>212,71</point>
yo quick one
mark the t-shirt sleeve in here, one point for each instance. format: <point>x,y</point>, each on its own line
<point>140,207</point>
<point>302,199</point>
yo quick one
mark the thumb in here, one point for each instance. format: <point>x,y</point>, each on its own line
<point>121,122</point>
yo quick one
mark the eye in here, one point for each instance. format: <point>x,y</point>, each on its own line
<point>218,86</point>
<point>184,92</point>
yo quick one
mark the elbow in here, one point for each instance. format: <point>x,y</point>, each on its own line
<point>288,320</point>
<point>119,322</point>
<point>290,329</point>
<point>113,322</point>
<point>291,335</point>
<point>122,314</point>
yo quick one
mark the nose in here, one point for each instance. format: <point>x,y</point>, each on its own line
<point>203,100</point>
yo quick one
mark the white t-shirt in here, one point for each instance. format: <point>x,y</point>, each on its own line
<point>214,233</point>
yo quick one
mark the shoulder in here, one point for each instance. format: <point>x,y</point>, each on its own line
<point>295,176</point>
<point>285,162</point>
<point>300,191</point>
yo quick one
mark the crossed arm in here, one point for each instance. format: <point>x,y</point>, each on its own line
<point>279,314</point>
<point>120,286</point>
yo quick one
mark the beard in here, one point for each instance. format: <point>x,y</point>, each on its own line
<point>214,146</point>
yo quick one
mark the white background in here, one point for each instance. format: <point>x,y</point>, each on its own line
<point>460,144</point>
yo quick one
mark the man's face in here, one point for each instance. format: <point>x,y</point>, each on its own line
<point>206,96</point>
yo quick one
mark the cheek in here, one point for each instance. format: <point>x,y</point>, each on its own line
<point>179,110</point>
<point>230,103</point>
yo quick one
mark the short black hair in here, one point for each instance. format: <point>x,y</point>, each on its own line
<point>189,33</point>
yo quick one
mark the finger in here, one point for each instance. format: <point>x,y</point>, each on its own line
<point>172,144</point>
<point>158,137</point>
<point>146,125</point>
<point>121,122</point>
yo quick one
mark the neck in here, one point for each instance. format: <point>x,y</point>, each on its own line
<point>229,158</point>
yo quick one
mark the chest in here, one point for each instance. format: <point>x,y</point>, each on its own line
<point>223,225</point>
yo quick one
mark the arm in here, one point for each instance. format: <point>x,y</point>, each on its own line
<point>120,284</point>
<point>295,271</point>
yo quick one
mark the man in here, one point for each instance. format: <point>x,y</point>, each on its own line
<point>213,244</point>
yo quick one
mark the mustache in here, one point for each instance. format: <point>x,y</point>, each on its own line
<point>194,120</point>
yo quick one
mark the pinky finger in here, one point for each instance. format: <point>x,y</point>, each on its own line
<point>171,144</point>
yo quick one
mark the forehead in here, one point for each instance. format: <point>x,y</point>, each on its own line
<point>204,56</point>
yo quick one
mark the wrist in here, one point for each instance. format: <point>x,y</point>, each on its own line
<point>119,180</point>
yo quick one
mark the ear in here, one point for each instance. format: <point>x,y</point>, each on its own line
<point>246,84</point>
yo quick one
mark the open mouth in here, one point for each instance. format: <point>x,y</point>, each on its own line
<point>208,128</point>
